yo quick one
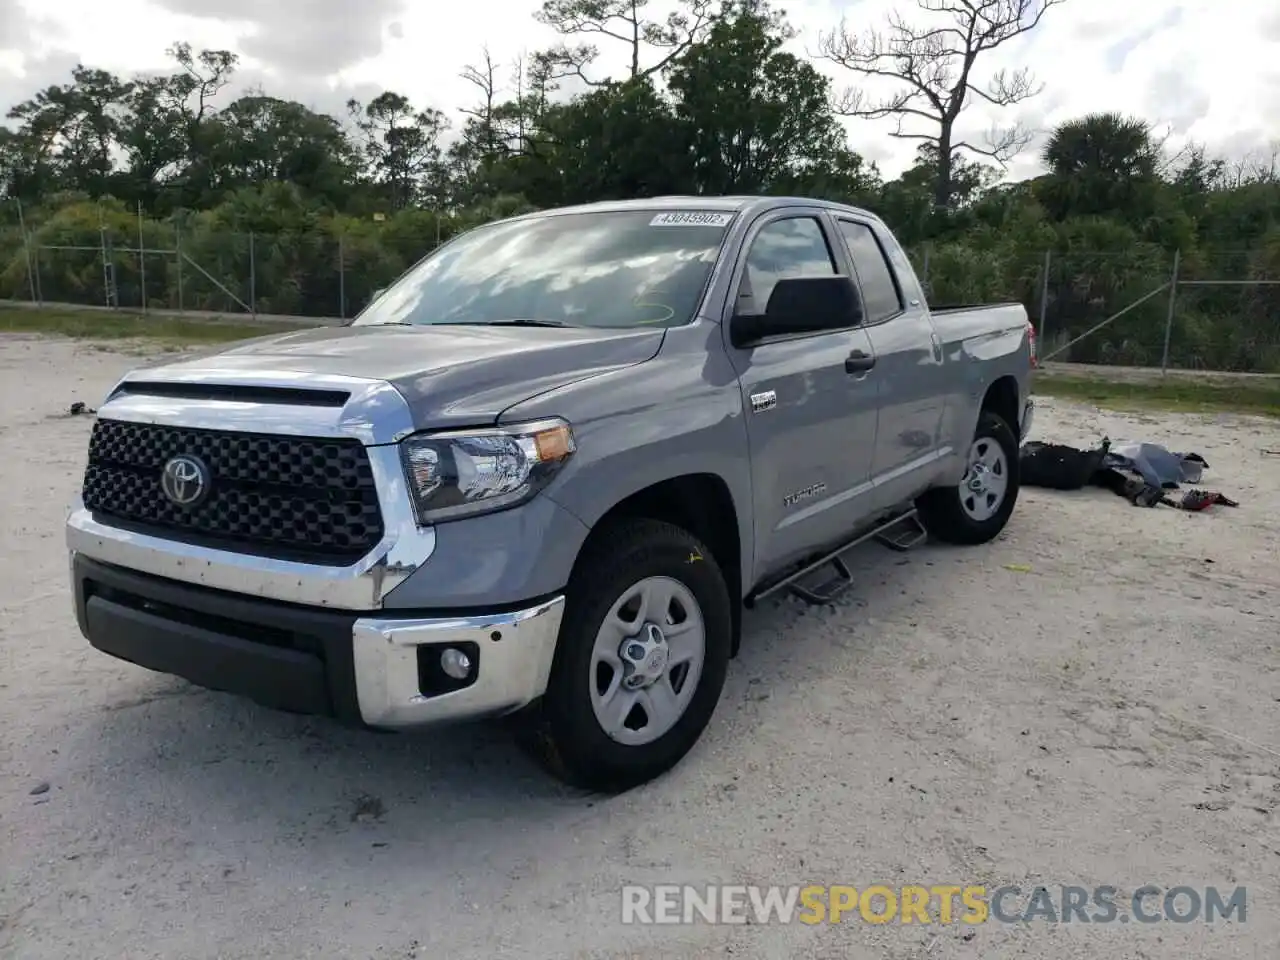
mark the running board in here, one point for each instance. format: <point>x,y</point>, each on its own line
<point>908,533</point>
<point>901,532</point>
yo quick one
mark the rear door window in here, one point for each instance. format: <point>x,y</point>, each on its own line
<point>881,296</point>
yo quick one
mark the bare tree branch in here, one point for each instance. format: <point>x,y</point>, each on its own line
<point>480,133</point>
<point>1005,89</point>
<point>933,64</point>
<point>484,79</point>
<point>565,62</point>
<point>1001,144</point>
<point>624,22</point>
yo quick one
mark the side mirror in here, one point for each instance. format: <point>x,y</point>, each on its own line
<point>800,305</point>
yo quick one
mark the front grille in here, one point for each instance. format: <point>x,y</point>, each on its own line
<point>293,498</point>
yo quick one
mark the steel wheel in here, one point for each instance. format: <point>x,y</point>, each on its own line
<point>985,480</point>
<point>646,661</point>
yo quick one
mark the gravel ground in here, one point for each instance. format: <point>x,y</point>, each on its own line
<point>1094,699</point>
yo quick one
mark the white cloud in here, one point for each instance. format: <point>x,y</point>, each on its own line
<point>1204,68</point>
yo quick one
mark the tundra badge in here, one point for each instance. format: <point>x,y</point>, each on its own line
<point>760,402</point>
<point>810,491</point>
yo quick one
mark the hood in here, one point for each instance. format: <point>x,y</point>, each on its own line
<point>449,375</point>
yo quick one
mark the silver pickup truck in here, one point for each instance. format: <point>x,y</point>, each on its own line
<point>544,472</point>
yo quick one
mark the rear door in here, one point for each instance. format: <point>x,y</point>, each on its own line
<point>811,410</point>
<point>909,359</point>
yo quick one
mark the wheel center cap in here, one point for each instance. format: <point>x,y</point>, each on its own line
<point>978,478</point>
<point>644,656</point>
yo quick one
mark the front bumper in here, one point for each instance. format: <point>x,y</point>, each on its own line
<point>375,670</point>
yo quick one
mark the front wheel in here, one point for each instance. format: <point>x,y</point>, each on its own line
<point>978,508</point>
<point>641,658</point>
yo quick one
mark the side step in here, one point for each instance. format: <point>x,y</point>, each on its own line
<point>901,532</point>
<point>905,534</point>
<point>827,590</point>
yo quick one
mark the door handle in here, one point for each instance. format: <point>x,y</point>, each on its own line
<point>859,362</point>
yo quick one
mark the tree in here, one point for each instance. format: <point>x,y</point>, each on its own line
<point>621,140</point>
<point>264,139</point>
<point>482,142</point>
<point>908,202</point>
<point>480,132</point>
<point>624,22</point>
<point>1101,163</point>
<point>32,154</point>
<point>402,148</point>
<point>933,66</point>
<point>91,125</point>
<point>203,75</point>
<point>153,136</point>
<point>18,167</point>
<point>759,119</point>
<point>71,130</point>
<point>200,78</point>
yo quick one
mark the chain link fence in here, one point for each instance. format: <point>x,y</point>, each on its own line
<point>127,262</point>
<point>1211,310</point>
<point>226,273</point>
<point>1214,310</point>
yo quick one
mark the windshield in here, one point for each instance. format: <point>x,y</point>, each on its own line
<point>620,269</point>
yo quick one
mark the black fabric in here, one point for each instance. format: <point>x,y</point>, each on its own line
<point>1059,467</point>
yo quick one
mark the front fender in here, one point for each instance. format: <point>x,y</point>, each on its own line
<point>675,415</point>
<point>495,560</point>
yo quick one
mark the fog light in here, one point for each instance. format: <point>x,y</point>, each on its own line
<point>456,664</point>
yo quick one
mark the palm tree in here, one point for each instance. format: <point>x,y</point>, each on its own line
<point>1106,144</point>
<point>1100,164</point>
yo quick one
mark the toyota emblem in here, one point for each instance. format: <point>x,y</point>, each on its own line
<point>185,480</point>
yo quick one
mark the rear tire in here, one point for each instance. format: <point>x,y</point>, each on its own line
<point>640,662</point>
<point>976,509</point>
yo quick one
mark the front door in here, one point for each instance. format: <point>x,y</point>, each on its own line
<point>811,415</point>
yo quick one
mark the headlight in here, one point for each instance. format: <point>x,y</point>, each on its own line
<point>478,471</point>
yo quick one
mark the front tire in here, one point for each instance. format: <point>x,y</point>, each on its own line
<point>979,506</point>
<point>641,658</point>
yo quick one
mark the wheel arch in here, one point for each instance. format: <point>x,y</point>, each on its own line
<point>699,503</point>
<point>1003,399</point>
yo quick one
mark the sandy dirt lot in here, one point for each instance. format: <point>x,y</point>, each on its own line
<point>1094,699</point>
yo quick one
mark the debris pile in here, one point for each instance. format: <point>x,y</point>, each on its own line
<point>1142,473</point>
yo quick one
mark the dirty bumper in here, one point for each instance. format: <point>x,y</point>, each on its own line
<point>369,669</point>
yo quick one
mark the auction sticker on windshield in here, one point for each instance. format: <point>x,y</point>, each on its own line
<point>692,218</point>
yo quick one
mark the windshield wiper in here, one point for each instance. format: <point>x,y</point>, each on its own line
<point>518,322</point>
<point>522,322</point>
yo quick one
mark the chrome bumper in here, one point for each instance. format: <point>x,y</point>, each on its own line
<point>381,672</point>
<point>516,650</point>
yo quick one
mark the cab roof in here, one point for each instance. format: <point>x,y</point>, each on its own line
<point>734,204</point>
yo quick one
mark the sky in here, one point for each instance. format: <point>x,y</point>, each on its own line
<point>1204,70</point>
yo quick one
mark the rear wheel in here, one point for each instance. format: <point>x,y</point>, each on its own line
<point>641,659</point>
<point>979,506</point>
